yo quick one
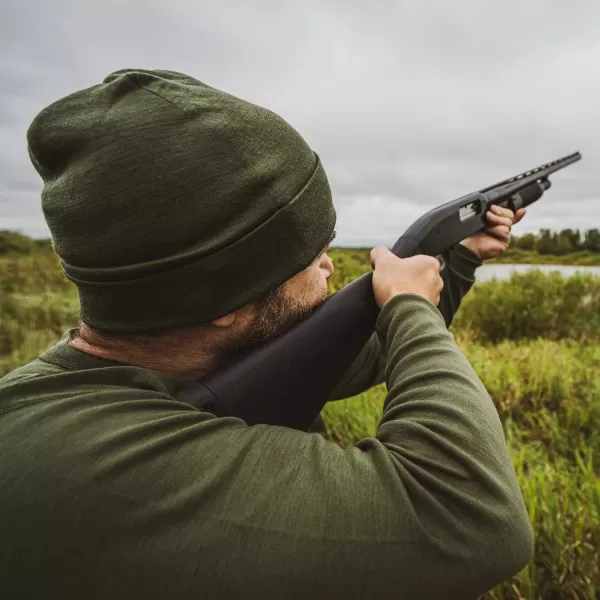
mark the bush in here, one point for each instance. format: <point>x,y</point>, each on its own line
<point>14,242</point>
<point>531,305</point>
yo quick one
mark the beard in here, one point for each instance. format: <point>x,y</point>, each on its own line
<point>275,314</point>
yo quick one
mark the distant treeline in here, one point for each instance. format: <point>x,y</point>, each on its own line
<point>558,243</point>
<point>14,242</point>
<point>546,242</point>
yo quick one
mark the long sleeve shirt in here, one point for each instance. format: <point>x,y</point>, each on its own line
<point>112,488</point>
<point>368,369</point>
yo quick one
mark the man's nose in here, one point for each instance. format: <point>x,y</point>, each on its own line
<point>326,265</point>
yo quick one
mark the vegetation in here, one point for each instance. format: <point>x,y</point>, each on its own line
<point>566,247</point>
<point>560,242</point>
<point>14,242</point>
<point>531,305</point>
<point>517,256</point>
<point>534,341</point>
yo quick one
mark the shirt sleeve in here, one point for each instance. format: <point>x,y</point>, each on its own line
<point>368,369</point>
<point>151,498</point>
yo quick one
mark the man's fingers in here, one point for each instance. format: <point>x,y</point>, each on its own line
<point>375,255</point>
<point>501,232</point>
<point>520,214</point>
<point>498,215</point>
<point>502,212</point>
<point>500,219</point>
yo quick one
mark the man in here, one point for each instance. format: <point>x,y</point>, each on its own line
<point>195,224</point>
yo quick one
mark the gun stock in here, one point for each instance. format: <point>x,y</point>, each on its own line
<point>287,381</point>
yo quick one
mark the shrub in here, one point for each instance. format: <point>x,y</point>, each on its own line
<point>14,242</point>
<point>531,305</point>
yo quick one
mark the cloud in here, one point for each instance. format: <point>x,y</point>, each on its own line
<point>408,104</point>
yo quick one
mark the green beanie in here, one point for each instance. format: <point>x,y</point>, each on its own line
<point>172,203</point>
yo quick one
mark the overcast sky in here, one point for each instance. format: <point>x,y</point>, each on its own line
<point>409,104</point>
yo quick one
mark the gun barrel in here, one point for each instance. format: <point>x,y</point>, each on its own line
<point>518,182</point>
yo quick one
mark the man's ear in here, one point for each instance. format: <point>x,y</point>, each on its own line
<point>225,321</point>
<point>243,316</point>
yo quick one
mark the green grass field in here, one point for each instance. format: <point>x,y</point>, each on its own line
<point>533,340</point>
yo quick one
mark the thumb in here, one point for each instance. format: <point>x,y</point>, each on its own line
<point>376,255</point>
<point>519,215</point>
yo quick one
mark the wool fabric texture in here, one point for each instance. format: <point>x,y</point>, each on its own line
<point>172,203</point>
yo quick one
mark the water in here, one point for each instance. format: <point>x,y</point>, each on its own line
<point>487,272</point>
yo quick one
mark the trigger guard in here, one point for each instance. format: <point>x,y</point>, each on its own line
<point>443,259</point>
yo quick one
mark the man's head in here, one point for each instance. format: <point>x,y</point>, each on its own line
<point>196,350</point>
<point>175,205</point>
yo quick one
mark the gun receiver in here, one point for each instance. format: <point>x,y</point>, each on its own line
<point>287,381</point>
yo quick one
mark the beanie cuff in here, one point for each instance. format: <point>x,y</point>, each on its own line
<point>198,289</point>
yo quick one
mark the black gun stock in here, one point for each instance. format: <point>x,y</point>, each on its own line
<point>287,381</point>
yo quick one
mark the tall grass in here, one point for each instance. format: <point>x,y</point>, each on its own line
<point>37,304</point>
<point>563,501</point>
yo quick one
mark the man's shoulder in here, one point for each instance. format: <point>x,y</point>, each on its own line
<point>65,418</point>
<point>41,383</point>
<point>34,368</point>
<point>13,384</point>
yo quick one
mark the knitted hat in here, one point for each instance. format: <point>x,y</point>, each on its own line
<point>172,203</point>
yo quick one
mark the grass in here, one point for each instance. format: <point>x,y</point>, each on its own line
<point>534,341</point>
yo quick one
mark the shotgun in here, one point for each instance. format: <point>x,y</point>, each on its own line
<point>287,380</point>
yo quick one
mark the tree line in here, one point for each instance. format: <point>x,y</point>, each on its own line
<point>558,242</point>
<point>545,242</point>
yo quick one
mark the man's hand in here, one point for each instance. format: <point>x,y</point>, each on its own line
<point>495,238</point>
<point>415,275</point>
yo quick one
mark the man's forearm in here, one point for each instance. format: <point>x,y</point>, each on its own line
<point>458,277</point>
<point>368,369</point>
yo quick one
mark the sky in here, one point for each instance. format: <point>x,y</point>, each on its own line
<point>408,104</point>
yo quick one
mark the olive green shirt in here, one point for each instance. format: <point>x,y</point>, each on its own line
<point>111,488</point>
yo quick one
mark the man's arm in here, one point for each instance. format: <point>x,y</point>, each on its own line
<point>150,498</point>
<point>368,369</point>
